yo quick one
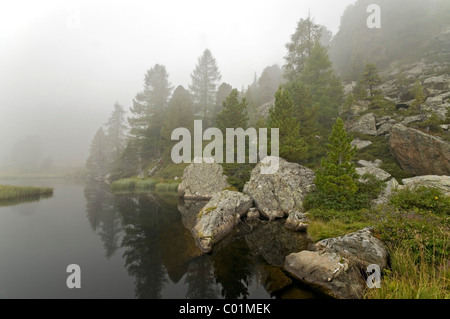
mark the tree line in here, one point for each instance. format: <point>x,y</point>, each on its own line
<point>305,93</point>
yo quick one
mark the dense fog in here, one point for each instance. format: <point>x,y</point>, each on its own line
<point>65,63</point>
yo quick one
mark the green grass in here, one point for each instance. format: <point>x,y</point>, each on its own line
<point>332,223</point>
<point>133,184</point>
<point>14,193</point>
<point>167,187</point>
<point>136,185</point>
<point>408,279</point>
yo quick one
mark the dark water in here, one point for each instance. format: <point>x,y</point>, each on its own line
<point>135,246</point>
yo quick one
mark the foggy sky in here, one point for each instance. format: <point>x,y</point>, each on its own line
<point>63,64</point>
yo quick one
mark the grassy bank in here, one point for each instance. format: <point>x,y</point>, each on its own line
<point>12,193</point>
<point>137,185</point>
<point>415,227</point>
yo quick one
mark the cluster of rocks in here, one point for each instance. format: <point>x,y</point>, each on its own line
<point>270,196</point>
<point>212,212</point>
<point>335,265</point>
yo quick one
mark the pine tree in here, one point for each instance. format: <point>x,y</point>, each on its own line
<point>222,92</point>
<point>336,180</point>
<point>268,83</point>
<point>179,114</point>
<point>205,79</point>
<point>348,104</point>
<point>325,88</point>
<point>292,147</point>
<point>148,111</point>
<point>306,113</point>
<point>299,48</point>
<point>98,162</point>
<point>371,80</point>
<point>116,129</point>
<point>419,96</point>
<point>234,113</point>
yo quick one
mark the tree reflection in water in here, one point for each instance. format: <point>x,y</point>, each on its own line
<point>159,250</point>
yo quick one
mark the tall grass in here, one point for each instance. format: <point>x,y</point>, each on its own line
<point>133,184</point>
<point>143,185</point>
<point>408,279</point>
<point>170,187</point>
<point>11,193</point>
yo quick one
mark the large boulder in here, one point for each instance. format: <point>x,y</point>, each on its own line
<point>440,182</point>
<point>336,264</point>
<point>365,125</point>
<point>379,174</point>
<point>219,217</point>
<point>419,153</point>
<point>283,191</point>
<point>202,180</point>
<point>360,144</point>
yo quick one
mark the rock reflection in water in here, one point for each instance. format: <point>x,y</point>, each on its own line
<point>160,253</point>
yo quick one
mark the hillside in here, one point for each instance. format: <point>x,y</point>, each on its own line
<point>410,30</point>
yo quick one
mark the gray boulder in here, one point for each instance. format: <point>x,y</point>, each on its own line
<point>219,217</point>
<point>283,191</point>
<point>440,182</point>
<point>365,125</point>
<point>337,263</point>
<point>202,180</point>
<point>412,119</point>
<point>360,144</point>
<point>384,129</point>
<point>379,174</point>
<point>375,163</point>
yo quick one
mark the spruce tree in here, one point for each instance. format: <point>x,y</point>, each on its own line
<point>205,79</point>
<point>299,48</point>
<point>336,180</point>
<point>148,111</point>
<point>371,80</point>
<point>234,112</point>
<point>292,146</point>
<point>116,129</point>
<point>419,96</point>
<point>306,113</point>
<point>98,162</point>
<point>179,114</point>
<point>325,88</point>
<point>222,92</point>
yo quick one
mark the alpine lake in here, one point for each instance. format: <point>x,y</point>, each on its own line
<point>136,246</point>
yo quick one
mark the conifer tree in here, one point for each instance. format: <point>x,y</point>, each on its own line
<point>148,111</point>
<point>419,96</point>
<point>292,146</point>
<point>205,79</point>
<point>116,129</point>
<point>306,113</point>
<point>299,48</point>
<point>98,163</point>
<point>234,112</point>
<point>336,180</point>
<point>179,114</point>
<point>371,80</point>
<point>222,92</point>
<point>325,88</point>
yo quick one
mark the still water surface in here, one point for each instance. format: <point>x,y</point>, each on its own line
<point>131,246</point>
